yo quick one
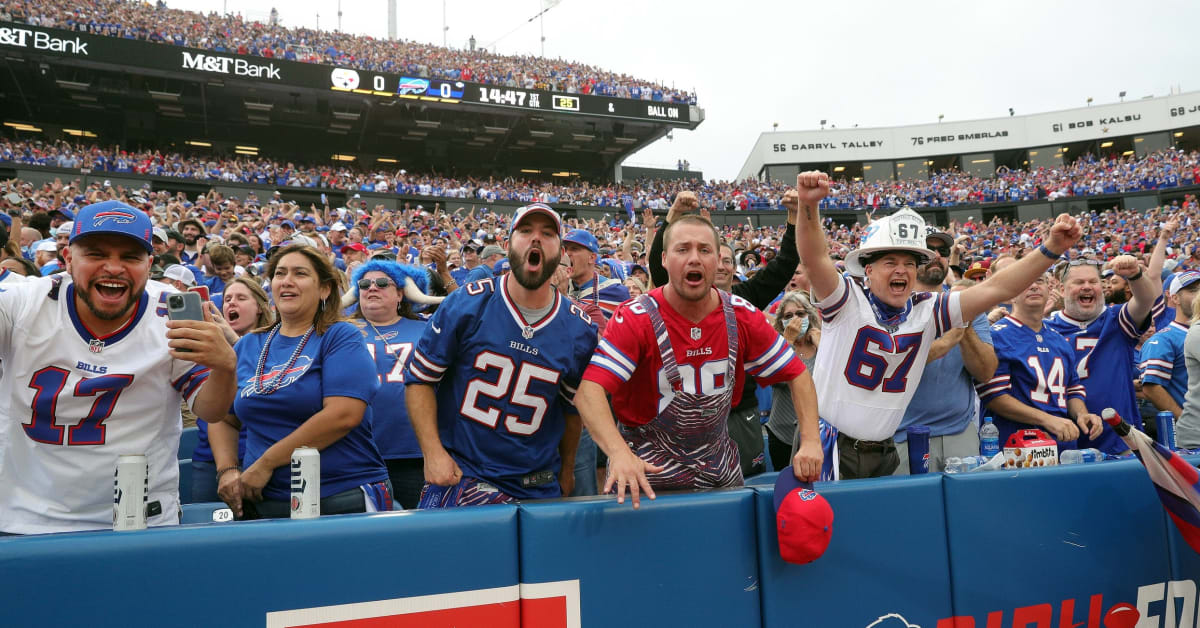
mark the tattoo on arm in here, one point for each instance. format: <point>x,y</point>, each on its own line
<point>808,212</point>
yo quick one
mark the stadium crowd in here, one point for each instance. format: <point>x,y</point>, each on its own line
<point>155,22</point>
<point>301,272</point>
<point>1089,175</point>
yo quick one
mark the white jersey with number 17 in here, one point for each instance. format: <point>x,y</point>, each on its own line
<point>75,402</point>
<point>866,373</point>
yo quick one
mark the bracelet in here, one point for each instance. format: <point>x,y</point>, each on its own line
<point>221,472</point>
<point>1048,253</point>
<point>1135,277</point>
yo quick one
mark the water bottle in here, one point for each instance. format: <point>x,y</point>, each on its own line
<point>989,438</point>
<point>953,464</point>
<point>1079,456</point>
<point>970,463</point>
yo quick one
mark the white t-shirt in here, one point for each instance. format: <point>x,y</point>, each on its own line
<point>866,373</point>
<point>74,405</point>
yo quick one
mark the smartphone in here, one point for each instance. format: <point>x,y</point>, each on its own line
<point>185,306</point>
<point>200,290</point>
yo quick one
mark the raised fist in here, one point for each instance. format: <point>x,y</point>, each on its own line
<point>811,187</point>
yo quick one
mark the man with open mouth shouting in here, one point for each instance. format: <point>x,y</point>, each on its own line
<point>674,361</point>
<point>875,339</point>
<point>506,355</point>
<point>88,364</point>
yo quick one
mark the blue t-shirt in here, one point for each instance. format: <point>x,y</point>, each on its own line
<point>1162,361</point>
<point>353,460</point>
<point>1037,368</point>
<point>391,347</point>
<point>945,398</point>
<point>1104,353</point>
<point>503,382</point>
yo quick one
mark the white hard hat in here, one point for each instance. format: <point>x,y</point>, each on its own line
<point>902,231</point>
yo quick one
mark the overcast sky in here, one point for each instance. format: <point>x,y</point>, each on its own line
<point>871,62</point>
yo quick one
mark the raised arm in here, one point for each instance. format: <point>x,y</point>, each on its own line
<point>811,187</point>
<point>1008,283</point>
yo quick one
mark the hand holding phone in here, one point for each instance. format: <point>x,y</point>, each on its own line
<point>185,306</point>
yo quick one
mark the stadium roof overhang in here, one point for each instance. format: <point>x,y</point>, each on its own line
<point>140,95</point>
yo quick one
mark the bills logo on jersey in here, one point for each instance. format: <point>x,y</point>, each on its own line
<point>117,216</point>
<point>277,377</point>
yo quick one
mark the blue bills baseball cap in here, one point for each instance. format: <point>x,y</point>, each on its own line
<point>583,238</point>
<point>116,218</point>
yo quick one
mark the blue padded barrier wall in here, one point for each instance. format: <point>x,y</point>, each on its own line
<point>233,575</point>
<point>681,560</point>
<point>887,556</point>
<point>1065,542</point>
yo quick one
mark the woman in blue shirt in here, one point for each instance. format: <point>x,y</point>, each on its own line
<point>308,380</point>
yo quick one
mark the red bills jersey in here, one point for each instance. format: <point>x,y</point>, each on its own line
<point>628,365</point>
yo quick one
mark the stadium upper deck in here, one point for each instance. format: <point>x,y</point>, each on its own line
<point>232,34</point>
<point>981,147</point>
<point>140,94</point>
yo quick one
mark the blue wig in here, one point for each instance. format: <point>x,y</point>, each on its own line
<point>396,271</point>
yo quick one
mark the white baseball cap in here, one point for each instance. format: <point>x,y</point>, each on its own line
<point>47,246</point>
<point>179,273</point>
<point>903,231</point>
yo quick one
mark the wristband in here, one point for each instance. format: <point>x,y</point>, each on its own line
<point>1135,277</point>
<point>221,472</point>
<point>1048,253</point>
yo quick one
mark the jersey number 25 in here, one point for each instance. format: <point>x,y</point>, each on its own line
<point>505,386</point>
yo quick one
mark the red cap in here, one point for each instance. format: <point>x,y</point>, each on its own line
<point>354,246</point>
<point>402,232</point>
<point>803,519</point>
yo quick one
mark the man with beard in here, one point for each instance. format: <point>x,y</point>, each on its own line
<point>87,364</point>
<point>193,235</point>
<point>1164,371</point>
<point>1104,337</point>
<point>491,381</point>
<point>1116,289</point>
<point>674,361</point>
<point>945,398</point>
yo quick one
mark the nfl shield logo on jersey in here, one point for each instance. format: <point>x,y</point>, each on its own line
<point>695,333</point>
<point>95,346</point>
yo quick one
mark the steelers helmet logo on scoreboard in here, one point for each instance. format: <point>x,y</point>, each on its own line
<point>344,78</point>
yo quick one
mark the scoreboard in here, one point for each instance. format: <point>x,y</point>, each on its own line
<point>128,53</point>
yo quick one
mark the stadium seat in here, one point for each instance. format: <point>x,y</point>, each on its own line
<point>187,442</point>
<point>206,512</point>
<point>185,481</point>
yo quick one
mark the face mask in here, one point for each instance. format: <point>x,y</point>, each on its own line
<point>804,326</point>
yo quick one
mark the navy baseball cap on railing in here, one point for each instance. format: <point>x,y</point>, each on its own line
<point>116,218</point>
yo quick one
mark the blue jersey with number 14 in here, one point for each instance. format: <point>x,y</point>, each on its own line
<point>503,382</point>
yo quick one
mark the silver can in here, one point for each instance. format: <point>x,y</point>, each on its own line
<point>131,490</point>
<point>306,483</point>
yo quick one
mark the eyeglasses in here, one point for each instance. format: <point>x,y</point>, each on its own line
<point>381,282</point>
<point>1083,261</point>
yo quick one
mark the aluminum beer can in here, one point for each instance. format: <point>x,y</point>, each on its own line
<point>306,483</point>
<point>131,490</point>
<point>918,449</point>
<point>1165,422</point>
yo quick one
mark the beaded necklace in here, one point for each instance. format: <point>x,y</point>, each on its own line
<point>270,388</point>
